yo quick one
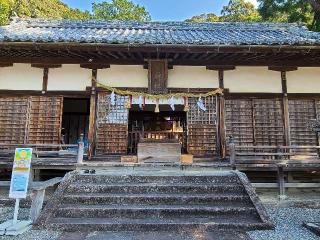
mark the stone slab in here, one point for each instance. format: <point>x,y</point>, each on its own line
<point>168,235</point>
<point>313,227</point>
<point>7,228</point>
<point>159,152</point>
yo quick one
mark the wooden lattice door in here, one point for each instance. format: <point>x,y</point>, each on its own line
<point>301,113</point>
<point>14,119</point>
<point>255,121</point>
<point>30,119</point>
<point>112,125</point>
<point>45,119</point>
<point>202,127</point>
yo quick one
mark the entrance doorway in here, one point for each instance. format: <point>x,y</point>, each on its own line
<point>75,119</point>
<point>163,125</point>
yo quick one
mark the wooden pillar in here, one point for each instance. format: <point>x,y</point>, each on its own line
<point>221,127</point>
<point>285,101</point>
<point>285,104</point>
<point>93,104</point>
<point>92,117</point>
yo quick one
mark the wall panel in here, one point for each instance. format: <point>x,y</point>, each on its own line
<point>255,121</point>
<point>112,125</point>
<point>202,127</point>
<point>13,119</point>
<point>45,120</point>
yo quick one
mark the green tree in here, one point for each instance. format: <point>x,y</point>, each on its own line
<point>53,9</point>
<point>239,11</point>
<point>235,11</point>
<point>120,10</point>
<point>210,17</point>
<point>4,11</point>
<point>306,11</point>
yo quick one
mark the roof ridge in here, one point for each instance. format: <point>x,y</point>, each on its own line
<point>120,24</point>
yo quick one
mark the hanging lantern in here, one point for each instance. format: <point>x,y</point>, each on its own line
<point>113,98</point>
<point>201,104</point>
<point>186,104</point>
<point>157,109</point>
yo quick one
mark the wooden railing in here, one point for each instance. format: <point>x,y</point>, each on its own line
<point>281,158</point>
<point>135,136</point>
<point>273,154</point>
<point>74,152</point>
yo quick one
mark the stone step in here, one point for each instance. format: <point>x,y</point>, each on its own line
<point>155,211</point>
<point>152,224</point>
<point>96,178</point>
<point>155,188</point>
<point>158,198</point>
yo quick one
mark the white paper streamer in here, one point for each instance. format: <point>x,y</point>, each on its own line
<point>113,98</point>
<point>201,105</point>
<point>172,102</point>
<point>140,102</point>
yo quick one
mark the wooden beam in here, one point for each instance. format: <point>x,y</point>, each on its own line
<point>45,80</point>
<point>94,65</point>
<point>282,68</point>
<point>45,65</point>
<point>219,68</point>
<point>6,64</point>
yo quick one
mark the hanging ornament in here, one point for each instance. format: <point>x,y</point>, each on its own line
<point>128,103</point>
<point>172,102</point>
<point>140,102</point>
<point>186,104</point>
<point>113,98</point>
<point>201,105</point>
<point>157,109</point>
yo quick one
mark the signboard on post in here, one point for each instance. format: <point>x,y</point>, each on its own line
<point>18,190</point>
<point>20,173</point>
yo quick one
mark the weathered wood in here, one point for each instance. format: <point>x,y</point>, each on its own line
<point>94,66</point>
<point>202,127</point>
<point>281,182</point>
<point>6,64</point>
<point>112,125</point>
<point>45,80</point>
<point>92,117</point>
<point>45,65</point>
<point>157,76</point>
<point>220,67</point>
<point>282,68</point>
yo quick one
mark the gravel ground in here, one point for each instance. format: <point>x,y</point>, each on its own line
<point>288,225</point>
<point>6,213</point>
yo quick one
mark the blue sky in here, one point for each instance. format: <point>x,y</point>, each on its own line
<point>162,10</point>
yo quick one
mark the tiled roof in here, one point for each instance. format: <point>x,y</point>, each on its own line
<point>171,33</point>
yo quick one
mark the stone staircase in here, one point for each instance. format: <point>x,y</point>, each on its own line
<point>154,201</point>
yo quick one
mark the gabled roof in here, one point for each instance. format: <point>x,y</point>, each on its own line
<point>163,33</point>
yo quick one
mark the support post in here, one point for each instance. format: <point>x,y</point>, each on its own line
<point>80,150</point>
<point>16,212</point>
<point>92,118</point>
<point>37,203</point>
<point>281,182</point>
<point>285,103</point>
<point>232,149</point>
